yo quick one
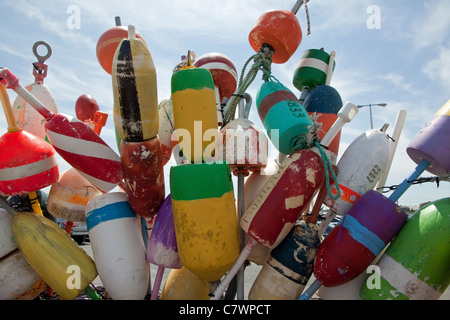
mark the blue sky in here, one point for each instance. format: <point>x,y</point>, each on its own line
<point>403,63</point>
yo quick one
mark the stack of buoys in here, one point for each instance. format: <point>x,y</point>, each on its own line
<point>74,141</point>
<point>136,117</point>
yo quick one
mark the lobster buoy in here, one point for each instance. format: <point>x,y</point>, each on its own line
<point>252,186</point>
<point>117,245</point>
<point>312,69</point>
<point>86,107</point>
<point>136,113</point>
<point>143,172</point>
<point>283,198</point>
<point>166,127</point>
<point>194,111</point>
<point>351,246</point>
<point>205,218</point>
<point>323,104</point>
<point>18,280</point>
<point>7,243</point>
<point>285,274</point>
<point>39,238</point>
<point>27,118</point>
<point>107,45</point>
<point>415,265</point>
<point>224,74</point>
<point>278,29</point>
<point>286,121</point>
<point>427,144</point>
<point>68,196</point>
<point>28,163</point>
<point>162,247</point>
<point>181,284</point>
<point>371,151</point>
<point>244,146</point>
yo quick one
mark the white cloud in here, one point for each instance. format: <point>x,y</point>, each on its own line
<point>438,69</point>
<point>399,81</point>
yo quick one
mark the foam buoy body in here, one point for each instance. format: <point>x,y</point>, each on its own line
<point>68,196</point>
<point>181,284</point>
<point>312,69</point>
<point>166,127</point>
<point>285,274</point>
<point>369,225</point>
<point>117,245</point>
<point>80,146</point>
<point>28,163</point>
<point>39,238</point>
<point>7,243</point>
<point>136,114</point>
<point>162,247</point>
<point>244,146</point>
<point>223,71</point>
<point>18,280</point>
<point>194,110</point>
<point>286,121</point>
<point>370,151</point>
<point>27,118</point>
<point>323,104</point>
<point>415,265</point>
<point>252,186</point>
<point>279,29</point>
<point>143,174</point>
<point>107,45</point>
<point>283,198</point>
<point>431,143</point>
<point>205,218</point>
<point>86,107</point>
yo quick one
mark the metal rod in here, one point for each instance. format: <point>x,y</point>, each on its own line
<point>298,5</point>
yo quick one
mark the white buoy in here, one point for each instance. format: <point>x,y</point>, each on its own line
<point>118,247</point>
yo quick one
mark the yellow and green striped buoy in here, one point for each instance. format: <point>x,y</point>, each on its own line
<point>194,111</point>
<point>205,218</point>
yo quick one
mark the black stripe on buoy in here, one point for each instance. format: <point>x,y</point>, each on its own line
<point>128,95</point>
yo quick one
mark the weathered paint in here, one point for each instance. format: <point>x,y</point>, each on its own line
<point>117,245</point>
<point>415,266</point>
<point>136,114</point>
<point>68,196</point>
<point>162,247</point>
<point>285,274</point>
<point>27,118</point>
<point>18,280</point>
<point>281,30</point>
<point>267,219</point>
<point>352,245</point>
<point>27,164</point>
<point>194,104</point>
<point>166,127</point>
<point>245,147</point>
<point>143,172</point>
<point>39,238</point>
<point>181,284</point>
<point>206,225</point>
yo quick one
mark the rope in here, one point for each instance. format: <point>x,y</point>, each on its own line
<point>262,61</point>
<point>328,166</point>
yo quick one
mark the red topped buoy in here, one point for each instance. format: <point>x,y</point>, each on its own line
<point>278,29</point>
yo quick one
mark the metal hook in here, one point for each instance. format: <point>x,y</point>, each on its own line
<point>41,59</point>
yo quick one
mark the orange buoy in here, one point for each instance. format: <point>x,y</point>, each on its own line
<point>280,30</point>
<point>108,43</point>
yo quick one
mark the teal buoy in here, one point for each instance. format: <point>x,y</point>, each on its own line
<point>280,110</point>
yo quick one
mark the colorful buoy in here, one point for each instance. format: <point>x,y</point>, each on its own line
<point>416,264</point>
